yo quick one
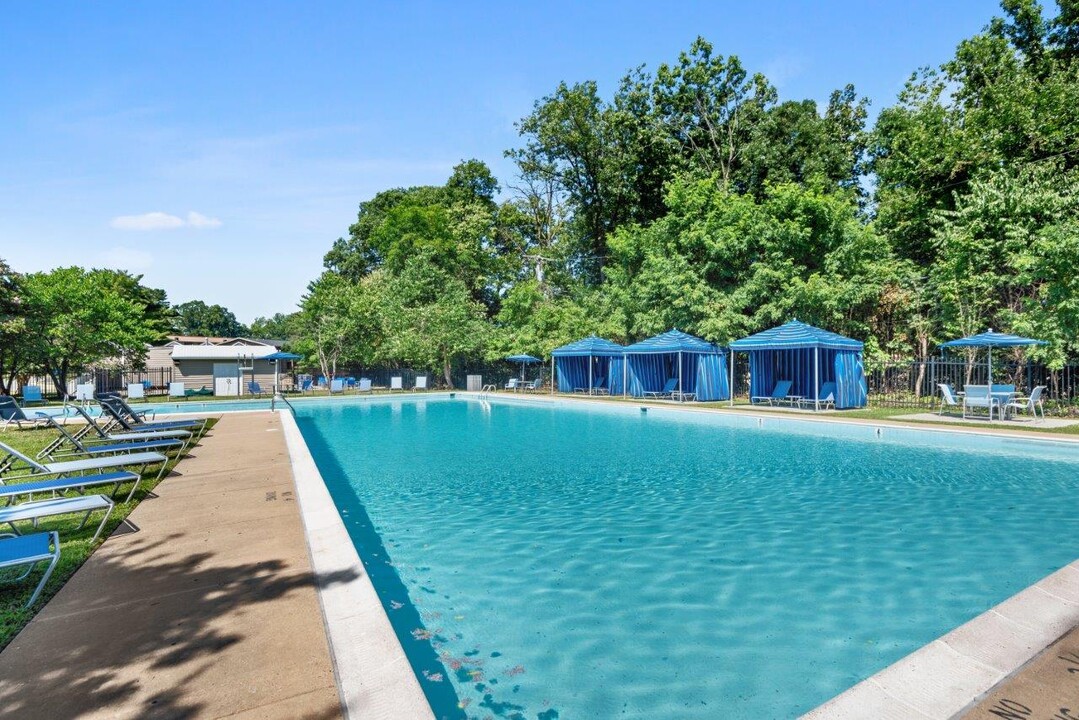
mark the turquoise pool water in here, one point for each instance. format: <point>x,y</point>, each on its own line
<point>554,561</point>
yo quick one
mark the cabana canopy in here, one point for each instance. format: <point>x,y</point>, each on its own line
<point>593,364</point>
<point>808,356</point>
<point>699,366</point>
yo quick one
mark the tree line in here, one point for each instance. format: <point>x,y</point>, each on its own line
<point>694,196</point>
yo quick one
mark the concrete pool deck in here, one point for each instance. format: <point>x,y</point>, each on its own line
<point>208,610</point>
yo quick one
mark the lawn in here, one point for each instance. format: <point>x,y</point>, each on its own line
<point>75,544</point>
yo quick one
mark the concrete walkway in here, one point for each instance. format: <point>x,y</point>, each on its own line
<point>208,610</point>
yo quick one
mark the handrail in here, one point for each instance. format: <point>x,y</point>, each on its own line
<point>273,400</point>
<point>487,390</point>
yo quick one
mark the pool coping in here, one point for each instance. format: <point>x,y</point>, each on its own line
<point>374,677</point>
<point>946,677</point>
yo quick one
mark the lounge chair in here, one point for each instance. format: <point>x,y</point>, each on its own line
<point>37,509</point>
<point>668,390</point>
<point>176,390</point>
<point>29,550</point>
<point>33,468</point>
<point>337,385</point>
<point>1028,404</point>
<point>364,385</point>
<point>53,449</point>
<point>948,397</point>
<point>396,384</point>
<point>253,388</point>
<point>32,394</point>
<point>54,486</point>
<point>597,383</point>
<point>12,414</point>
<point>84,392</point>
<point>136,391</point>
<point>91,426</point>
<point>131,421</point>
<point>306,385</point>
<point>780,393</point>
<point>534,386</point>
<point>421,383</point>
<point>512,384</point>
<point>826,397</point>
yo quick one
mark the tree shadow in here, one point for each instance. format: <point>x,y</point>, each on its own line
<point>84,657</point>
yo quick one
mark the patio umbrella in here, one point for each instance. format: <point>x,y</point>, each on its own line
<point>279,355</point>
<point>524,360</point>
<point>990,340</point>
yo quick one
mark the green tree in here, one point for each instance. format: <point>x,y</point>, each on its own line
<point>197,318</point>
<point>277,327</point>
<point>14,343</point>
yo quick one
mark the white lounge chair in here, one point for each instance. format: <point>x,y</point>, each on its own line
<point>948,397</point>
<point>421,383</point>
<point>364,385</point>
<point>1030,405</point>
<point>396,384</point>
<point>826,397</point>
<point>29,550</point>
<point>337,385</point>
<point>512,384</point>
<point>33,469</point>
<point>537,384</point>
<point>176,390</point>
<point>38,509</point>
<point>136,391</point>
<point>668,390</point>
<point>91,426</point>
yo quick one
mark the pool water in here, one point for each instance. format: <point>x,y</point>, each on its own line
<point>552,560</point>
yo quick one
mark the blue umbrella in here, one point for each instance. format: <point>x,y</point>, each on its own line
<point>524,360</point>
<point>990,340</point>
<point>279,355</point>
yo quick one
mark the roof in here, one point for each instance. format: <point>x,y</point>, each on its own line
<point>993,339</point>
<point>210,340</point>
<point>589,347</point>
<point>671,341</point>
<point>795,335</point>
<point>221,352</point>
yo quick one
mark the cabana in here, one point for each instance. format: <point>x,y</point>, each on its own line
<point>580,364</point>
<point>699,367</point>
<point>807,356</point>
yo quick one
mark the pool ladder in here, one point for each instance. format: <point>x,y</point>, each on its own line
<point>487,390</point>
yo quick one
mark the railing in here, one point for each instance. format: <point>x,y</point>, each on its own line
<point>103,379</point>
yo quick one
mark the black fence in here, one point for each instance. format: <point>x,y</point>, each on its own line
<point>104,380</point>
<point>492,373</point>
<point>916,384</point>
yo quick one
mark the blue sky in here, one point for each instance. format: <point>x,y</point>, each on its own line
<point>220,148</point>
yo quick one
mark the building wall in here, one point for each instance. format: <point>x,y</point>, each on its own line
<point>159,357</point>
<point>195,374</point>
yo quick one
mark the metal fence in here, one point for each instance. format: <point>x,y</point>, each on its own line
<point>103,379</point>
<point>915,384</point>
<point>497,373</point>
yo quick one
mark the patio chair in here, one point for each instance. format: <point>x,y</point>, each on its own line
<point>1030,404</point>
<point>779,394</point>
<point>421,383</point>
<point>826,397</point>
<point>253,388</point>
<point>535,386</point>
<point>396,384</point>
<point>979,396</point>
<point>32,394</point>
<point>66,484</point>
<point>37,509</point>
<point>512,384</point>
<point>80,448</point>
<point>176,390</point>
<point>668,390</point>
<point>364,385</point>
<point>33,468</point>
<point>948,397</point>
<point>29,550</point>
<point>136,391</point>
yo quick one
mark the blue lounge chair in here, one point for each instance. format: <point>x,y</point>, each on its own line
<point>52,507</point>
<point>27,467</point>
<point>29,550</point>
<point>668,390</point>
<point>32,394</point>
<point>306,385</point>
<point>91,426</point>
<point>253,388</point>
<point>132,421</point>
<point>779,394</point>
<point>66,484</point>
<point>826,395</point>
<point>78,447</point>
<point>12,414</point>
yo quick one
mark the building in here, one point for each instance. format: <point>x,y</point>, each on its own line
<point>224,365</point>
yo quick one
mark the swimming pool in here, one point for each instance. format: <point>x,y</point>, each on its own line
<point>569,560</point>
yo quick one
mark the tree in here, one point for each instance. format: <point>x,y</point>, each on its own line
<point>197,318</point>
<point>278,327</point>
<point>82,317</point>
<point>13,332</point>
<point>326,322</point>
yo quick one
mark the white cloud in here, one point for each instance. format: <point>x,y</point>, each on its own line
<point>198,220</point>
<point>163,221</point>
<point>125,258</point>
<point>147,221</point>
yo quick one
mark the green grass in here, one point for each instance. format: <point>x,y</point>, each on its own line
<point>75,545</point>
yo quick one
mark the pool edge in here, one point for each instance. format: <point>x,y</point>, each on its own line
<point>374,678</point>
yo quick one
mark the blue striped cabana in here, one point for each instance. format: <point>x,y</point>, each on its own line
<point>807,356</point>
<point>700,366</point>
<point>579,364</point>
